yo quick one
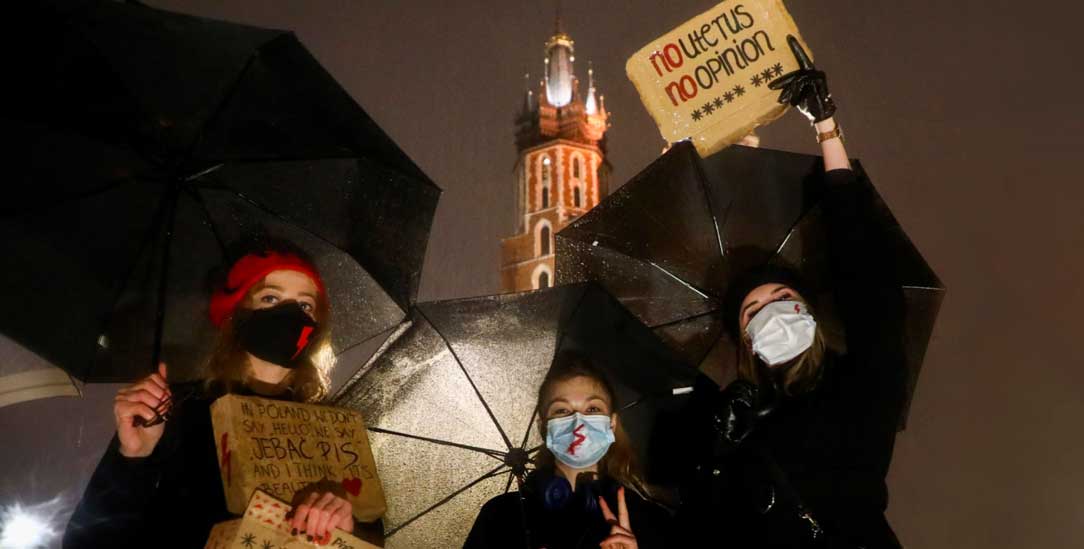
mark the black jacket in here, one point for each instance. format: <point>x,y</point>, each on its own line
<point>827,450</point>
<point>171,498</point>
<point>523,520</point>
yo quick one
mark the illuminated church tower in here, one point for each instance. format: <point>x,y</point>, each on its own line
<point>561,169</point>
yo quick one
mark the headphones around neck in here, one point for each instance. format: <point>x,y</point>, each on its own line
<point>556,494</point>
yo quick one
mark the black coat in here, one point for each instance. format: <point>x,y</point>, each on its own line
<point>171,498</point>
<point>522,520</point>
<point>827,450</point>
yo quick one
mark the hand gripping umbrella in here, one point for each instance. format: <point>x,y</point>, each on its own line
<point>451,403</point>
<point>145,143</point>
<point>669,243</point>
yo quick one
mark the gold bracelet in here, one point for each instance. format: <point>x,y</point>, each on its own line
<point>831,134</point>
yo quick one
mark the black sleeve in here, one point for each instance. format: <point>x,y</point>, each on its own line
<point>871,304</point>
<point>652,525</point>
<point>482,533</point>
<point>114,507</point>
<point>868,297</point>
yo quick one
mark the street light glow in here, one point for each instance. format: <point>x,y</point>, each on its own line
<point>27,528</point>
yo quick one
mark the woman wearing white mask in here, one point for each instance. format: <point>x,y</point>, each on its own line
<point>795,452</point>
<point>586,490</point>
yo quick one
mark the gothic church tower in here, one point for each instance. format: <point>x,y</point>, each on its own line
<point>561,169</point>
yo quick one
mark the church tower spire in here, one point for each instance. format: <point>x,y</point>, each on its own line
<point>561,169</point>
<point>559,74</point>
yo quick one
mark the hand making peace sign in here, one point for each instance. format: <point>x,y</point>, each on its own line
<point>621,536</point>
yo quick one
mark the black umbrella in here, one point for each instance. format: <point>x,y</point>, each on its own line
<point>450,404</point>
<point>670,241</point>
<point>140,144</point>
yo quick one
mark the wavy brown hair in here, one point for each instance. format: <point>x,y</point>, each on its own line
<point>620,462</point>
<point>228,367</point>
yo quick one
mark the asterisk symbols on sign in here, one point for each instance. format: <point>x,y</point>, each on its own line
<point>767,74</point>
<point>248,540</point>
<point>697,115</point>
<point>739,91</point>
<point>707,108</point>
<point>778,69</point>
<point>728,97</point>
<point>756,81</point>
<point>718,102</point>
<point>267,545</point>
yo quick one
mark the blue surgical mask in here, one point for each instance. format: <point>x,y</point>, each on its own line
<point>579,441</point>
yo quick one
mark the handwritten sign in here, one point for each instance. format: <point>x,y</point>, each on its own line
<point>286,447</point>
<point>708,79</point>
<point>264,524</point>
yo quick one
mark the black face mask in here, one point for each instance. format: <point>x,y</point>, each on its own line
<point>278,334</point>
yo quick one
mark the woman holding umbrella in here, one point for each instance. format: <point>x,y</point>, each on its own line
<point>798,447</point>
<point>586,490</point>
<point>158,483</point>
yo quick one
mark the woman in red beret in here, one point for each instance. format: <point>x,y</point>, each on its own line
<point>158,483</point>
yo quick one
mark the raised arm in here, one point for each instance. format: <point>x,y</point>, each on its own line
<point>868,300</point>
<point>806,89</point>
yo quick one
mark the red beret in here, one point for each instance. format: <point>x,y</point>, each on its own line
<point>249,270</point>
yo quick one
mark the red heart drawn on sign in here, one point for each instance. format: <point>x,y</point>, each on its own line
<point>352,485</point>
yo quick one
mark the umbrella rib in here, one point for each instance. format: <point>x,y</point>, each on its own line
<point>492,473</point>
<point>492,453</point>
<point>274,213</point>
<point>147,244</point>
<point>173,197</point>
<point>680,281</point>
<point>109,186</point>
<point>198,198</point>
<point>527,434</point>
<point>294,224</point>
<point>702,182</point>
<point>217,113</point>
<point>492,416</point>
<point>683,319</point>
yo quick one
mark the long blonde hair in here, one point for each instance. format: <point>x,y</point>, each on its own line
<point>620,462</point>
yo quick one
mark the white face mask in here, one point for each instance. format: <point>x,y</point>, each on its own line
<point>781,331</point>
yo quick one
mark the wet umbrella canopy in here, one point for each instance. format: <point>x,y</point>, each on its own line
<point>671,240</point>
<point>145,143</point>
<point>451,403</point>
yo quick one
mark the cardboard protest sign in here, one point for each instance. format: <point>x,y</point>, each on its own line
<point>264,524</point>
<point>285,447</point>
<point>708,79</point>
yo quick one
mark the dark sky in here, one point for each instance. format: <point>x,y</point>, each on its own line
<point>966,114</point>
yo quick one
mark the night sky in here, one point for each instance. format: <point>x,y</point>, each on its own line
<point>966,115</point>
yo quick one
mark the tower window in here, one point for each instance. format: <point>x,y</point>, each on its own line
<point>544,240</point>
<point>545,181</point>
<point>543,279</point>
<point>576,167</point>
<point>577,200</point>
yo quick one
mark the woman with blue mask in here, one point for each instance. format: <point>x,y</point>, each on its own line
<point>794,453</point>
<point>586,490</point>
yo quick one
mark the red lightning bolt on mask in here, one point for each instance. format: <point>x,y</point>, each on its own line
<point>578,441</point>
<point>303,340</point>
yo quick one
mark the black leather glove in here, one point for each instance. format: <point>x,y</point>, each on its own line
<point>806,88</point>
